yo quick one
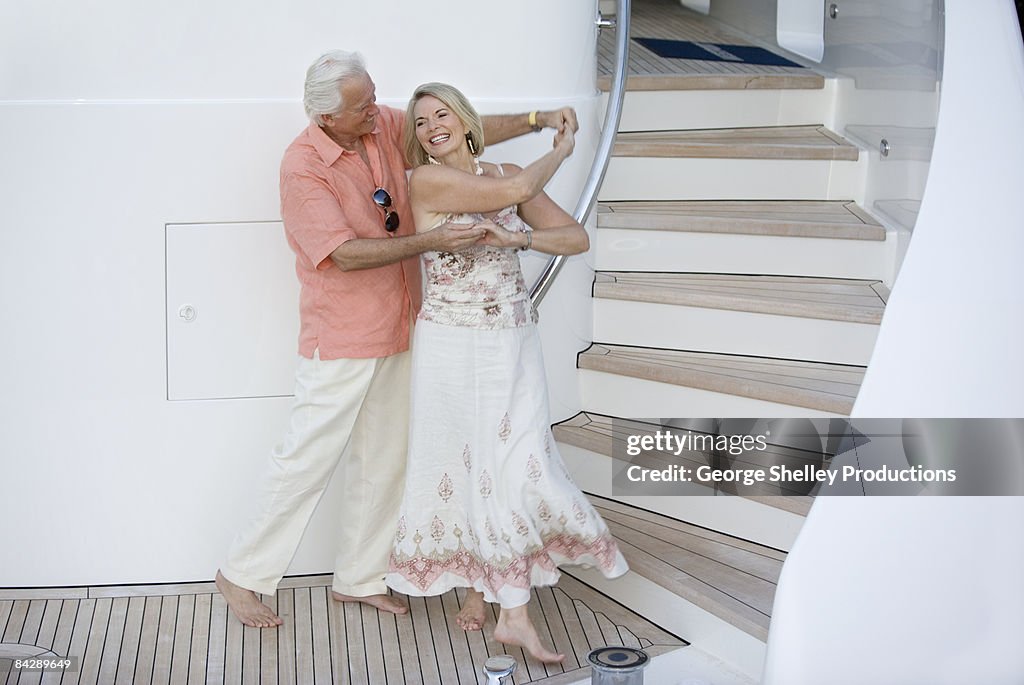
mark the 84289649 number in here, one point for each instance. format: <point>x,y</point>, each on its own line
<point>39,664</point>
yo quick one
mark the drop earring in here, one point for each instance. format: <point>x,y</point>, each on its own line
<point>472,145</point>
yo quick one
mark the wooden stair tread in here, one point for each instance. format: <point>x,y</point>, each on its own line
<point>767,142</point>
<point>789,218</point>
<point>831,299</point>
<point>814,385</point>
<point>730,578</point>
<point>641,81</point>
<point>667,19</point>
<point>598,433</point>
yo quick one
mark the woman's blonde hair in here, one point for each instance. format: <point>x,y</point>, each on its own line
<point>454,100</point>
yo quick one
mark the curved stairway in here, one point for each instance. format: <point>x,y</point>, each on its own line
<point>736,276</point>
<point>735,267</point>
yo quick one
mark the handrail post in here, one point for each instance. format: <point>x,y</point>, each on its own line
<point>616,96</point>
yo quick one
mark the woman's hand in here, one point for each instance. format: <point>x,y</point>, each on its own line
<point>497,236</point>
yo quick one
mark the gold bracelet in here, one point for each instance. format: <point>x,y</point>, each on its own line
<point>533,121</point>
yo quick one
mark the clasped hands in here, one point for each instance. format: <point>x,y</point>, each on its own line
<point>565,124</point>
<point>559,119</point>
<point>454,237</point>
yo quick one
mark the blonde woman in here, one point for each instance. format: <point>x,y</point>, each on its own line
<point>488,504</point>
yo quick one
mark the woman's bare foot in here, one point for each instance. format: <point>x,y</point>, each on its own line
<point>516,628</point>
<point>472,616</point>
<point>382,602</point>
<point>246,605</point>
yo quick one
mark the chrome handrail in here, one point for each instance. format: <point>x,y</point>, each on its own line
<point>612,116</point>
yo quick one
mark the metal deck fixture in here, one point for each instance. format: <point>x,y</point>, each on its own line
<point>617,666</point>
<point>497,668</point>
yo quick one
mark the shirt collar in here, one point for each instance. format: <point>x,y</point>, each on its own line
<point>328,150</point>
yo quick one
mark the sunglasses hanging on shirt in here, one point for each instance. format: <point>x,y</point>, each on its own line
<point>383,200</point>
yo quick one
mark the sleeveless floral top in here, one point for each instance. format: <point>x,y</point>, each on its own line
<point>481,287</point>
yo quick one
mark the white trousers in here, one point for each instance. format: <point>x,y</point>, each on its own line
<point>352,411</point>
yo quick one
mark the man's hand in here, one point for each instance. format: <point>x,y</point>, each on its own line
<point>559,118</point>
<point>452,237</point>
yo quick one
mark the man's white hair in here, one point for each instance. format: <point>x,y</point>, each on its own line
<point>324,79</point>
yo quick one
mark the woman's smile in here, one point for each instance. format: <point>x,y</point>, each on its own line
<point>437,129</point>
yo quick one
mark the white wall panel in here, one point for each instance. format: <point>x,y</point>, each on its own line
<point>231,49</point>
<point>232,311</point>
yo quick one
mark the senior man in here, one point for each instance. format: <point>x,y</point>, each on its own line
<point>345,206</point>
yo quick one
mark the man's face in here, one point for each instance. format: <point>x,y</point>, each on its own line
<point>358,116</point>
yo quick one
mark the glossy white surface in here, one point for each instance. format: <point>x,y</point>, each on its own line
<point>664,110</point>
<point>800,27</point>
<point>724,331</point>
<point>230,49</point>
<point>952,334</point>
<point>889,57</point>
<point>898,590</point>
<point>617,395</point>
<point>676,251</point>
<point>885,58</point>
<point>666,178</point>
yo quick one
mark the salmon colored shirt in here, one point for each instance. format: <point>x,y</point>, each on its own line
<point>326,199</point>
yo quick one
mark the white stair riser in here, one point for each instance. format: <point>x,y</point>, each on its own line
<point>666,110</point>
<point>700,329</point>
<point>689,178</point>
<point>680,251</point>
<point>628,397</point>
<point>730,514</point>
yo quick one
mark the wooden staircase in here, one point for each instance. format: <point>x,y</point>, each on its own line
<point>737,276</point>
<point>707,318</point>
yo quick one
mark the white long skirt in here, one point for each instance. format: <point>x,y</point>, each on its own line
<point>488,503</point>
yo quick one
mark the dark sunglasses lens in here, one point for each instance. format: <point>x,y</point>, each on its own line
<point>391,222</point>
<point>382,197</point>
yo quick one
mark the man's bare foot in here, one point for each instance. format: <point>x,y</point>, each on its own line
<point>472,616</point>
<point>382,602</point>
<point>246,605</point>
<point>516,628</point>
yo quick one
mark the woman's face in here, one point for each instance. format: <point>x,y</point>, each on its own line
<point>438,129</point>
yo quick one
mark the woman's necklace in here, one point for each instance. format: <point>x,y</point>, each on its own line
<point>478,170</point>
